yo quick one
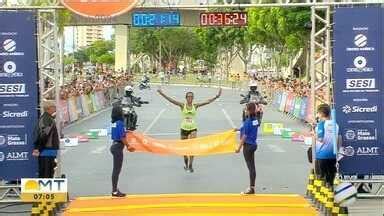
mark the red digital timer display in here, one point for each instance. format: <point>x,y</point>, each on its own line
<point>224,19</point>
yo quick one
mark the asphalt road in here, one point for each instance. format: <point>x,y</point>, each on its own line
<point>281,164</point>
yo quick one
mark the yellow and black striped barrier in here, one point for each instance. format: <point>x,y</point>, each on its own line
<point>310,186</point>
<point>322,196</point>
<point>45,208</point>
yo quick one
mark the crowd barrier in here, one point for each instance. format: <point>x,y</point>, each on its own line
<point>75,108</point>
<point>298,107</point>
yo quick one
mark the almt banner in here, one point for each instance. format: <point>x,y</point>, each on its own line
<point>358,88</point>
<point>18,94</point>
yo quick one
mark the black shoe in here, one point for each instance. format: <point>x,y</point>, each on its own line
<point>118,194</point>
<point>248,191</point>
<point>186,168</point>
<point>191,170</point>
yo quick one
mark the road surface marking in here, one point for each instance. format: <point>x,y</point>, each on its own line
<point>99,150</point>
<point>228,118</point>
<point>63,151</point>
<point>154,121</point>
<point>276,148</point>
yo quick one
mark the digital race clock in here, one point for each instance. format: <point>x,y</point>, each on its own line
<point>155,19</point>
<point>224,19</point>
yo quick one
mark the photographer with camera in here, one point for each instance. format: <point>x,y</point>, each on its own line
<point>127,103</point>
<point>254,96</point>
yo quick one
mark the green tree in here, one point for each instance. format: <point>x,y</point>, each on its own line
<point>107,58</point>
<point>280,29</point>
<point>176,44</point>
<point>99,51</point>
<point>81,56</point>
<point>69,59</point>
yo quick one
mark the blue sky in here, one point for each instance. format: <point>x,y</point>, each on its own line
<point>68,34</point>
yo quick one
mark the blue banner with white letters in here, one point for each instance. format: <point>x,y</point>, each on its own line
<point>18,94</point>
<point>358,89</point>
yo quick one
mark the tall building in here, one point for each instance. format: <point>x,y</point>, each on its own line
<point>86,35</point>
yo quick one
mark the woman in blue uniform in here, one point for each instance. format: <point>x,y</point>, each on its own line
<point>248,137</point>
<point>117,134</point>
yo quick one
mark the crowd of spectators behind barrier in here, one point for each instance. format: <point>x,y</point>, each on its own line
<point>297,87</point>
<point>83,85</point>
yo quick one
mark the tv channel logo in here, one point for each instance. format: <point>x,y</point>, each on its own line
<point>44,185</point>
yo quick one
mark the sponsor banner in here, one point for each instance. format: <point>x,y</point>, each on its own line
<point>283,101</point>
<point>279,98</point>
<point>93,102</point>
<point>100,98</point>
<point>275,100</point>
<point>72,108</point>
<point>84,105</point>
<point>79,107</point>
<point>18,94</point>
<point>288,102</point>
<point>303,108</point>
<point>309,111</point>
<point>358,54</point>
<point>220,143</point>
<point>70,142</point>
<point>75,108</point>
<point>297,107</point>
<point>292,105</point>
<point>88,104</point>
<point>63,105</point>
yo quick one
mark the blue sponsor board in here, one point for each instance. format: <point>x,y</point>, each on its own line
<point>358,55</point>
<point>18,94</point>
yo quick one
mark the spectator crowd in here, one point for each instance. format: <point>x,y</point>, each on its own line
<point>83,85</point>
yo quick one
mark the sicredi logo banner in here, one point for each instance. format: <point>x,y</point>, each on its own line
<point>42,185</point>
<point>9,114</point>
<point>358,109</point>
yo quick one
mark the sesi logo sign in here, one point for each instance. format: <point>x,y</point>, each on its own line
<point>360,83</point>
<point>16,88</point>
